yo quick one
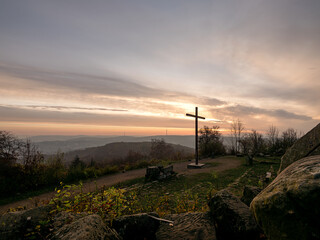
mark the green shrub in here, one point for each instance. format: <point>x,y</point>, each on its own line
<point>110,169</point>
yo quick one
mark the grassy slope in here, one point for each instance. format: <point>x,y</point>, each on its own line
<point>198,187</point>
<point>190,192</point>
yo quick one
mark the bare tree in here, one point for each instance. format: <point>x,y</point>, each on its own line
<point>31,156</point>
<point>10,148</point>
<point>32,160</point>
<point>273,140</point>
<point>289,137</point>
<point>273,135</point>
<point>252,142</point>
<point>246,144</point>
<point>237,128</point>
<point>19,160</point>
<point>257,142</point>
<point>160,150</point>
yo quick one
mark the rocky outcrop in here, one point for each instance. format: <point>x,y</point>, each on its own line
<point>233,219</point>
<point>16,225</point>
<point>187,226</point>
<point>289,207</point>
<point>138,226</point>
<point>83,226</point>
<point>249,193</point>
<point>307,145</point>
<point>69,226</point>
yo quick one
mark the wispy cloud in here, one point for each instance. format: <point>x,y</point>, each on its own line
<point>104,89</point>
<point>245,111</point>
<point>158,107</point>
<point>78,82</point>
<point>73,108</point>
<point>14,114</point>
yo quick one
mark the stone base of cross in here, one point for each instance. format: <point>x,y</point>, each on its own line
<point>196,164</point>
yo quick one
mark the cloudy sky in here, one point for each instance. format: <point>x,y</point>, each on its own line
<point>136,67</point>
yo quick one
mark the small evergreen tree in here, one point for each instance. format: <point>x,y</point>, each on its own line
<point>76,169</point>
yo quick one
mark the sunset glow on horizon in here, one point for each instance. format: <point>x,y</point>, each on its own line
<point>137,67</point>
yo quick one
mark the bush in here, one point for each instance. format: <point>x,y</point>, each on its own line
<point>55,168</point>
<point>11,181</point>
<point>210,142</point>
<point>110,169</point>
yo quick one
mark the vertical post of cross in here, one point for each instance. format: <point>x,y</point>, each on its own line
<point>197,151</point>
<point>196,133</point>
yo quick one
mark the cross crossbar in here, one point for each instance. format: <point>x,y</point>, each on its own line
<point>191,115</point>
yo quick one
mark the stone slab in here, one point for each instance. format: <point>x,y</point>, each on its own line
<point>187,226</point>
<point>233,219</point>
<point>195,166</point>
<point>307,145</point>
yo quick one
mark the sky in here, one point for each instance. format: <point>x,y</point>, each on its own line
<point>114,67</point>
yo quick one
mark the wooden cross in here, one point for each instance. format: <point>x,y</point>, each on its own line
<point>196,118</point>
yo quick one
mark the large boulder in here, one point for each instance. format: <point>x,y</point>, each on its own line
<point>69,226</point>
<point>233,219</point>
<point>137,226</point>
<point>289,208</point>
<point>249,193</point>
<point>187,226</point>
<point>307,145</point>
<point>16,225</point>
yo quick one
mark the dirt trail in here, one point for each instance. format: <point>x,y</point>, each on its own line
<point>225,163</point>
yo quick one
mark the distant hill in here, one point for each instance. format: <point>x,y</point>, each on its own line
<point>70,143</point>
<point>119,150</point>
<point>44,138</point>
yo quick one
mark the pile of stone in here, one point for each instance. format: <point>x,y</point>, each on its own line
<point>228,218</point>
<point>159,173</point>
<point>289,207</point>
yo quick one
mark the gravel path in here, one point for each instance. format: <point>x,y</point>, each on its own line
<point>225,163</point>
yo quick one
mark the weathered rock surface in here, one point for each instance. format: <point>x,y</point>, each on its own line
<point>188,226</point>
<point>15,225</point>
<point>138,226</point>
<point>76,226</point>
<point>233,219</point>
<point>315,152</point>
<point>62,218</point>
<point>289,208</point>
<point>305,146</point>
<point>249,193</point>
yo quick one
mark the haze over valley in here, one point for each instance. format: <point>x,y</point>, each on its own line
<point>69,143</point>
